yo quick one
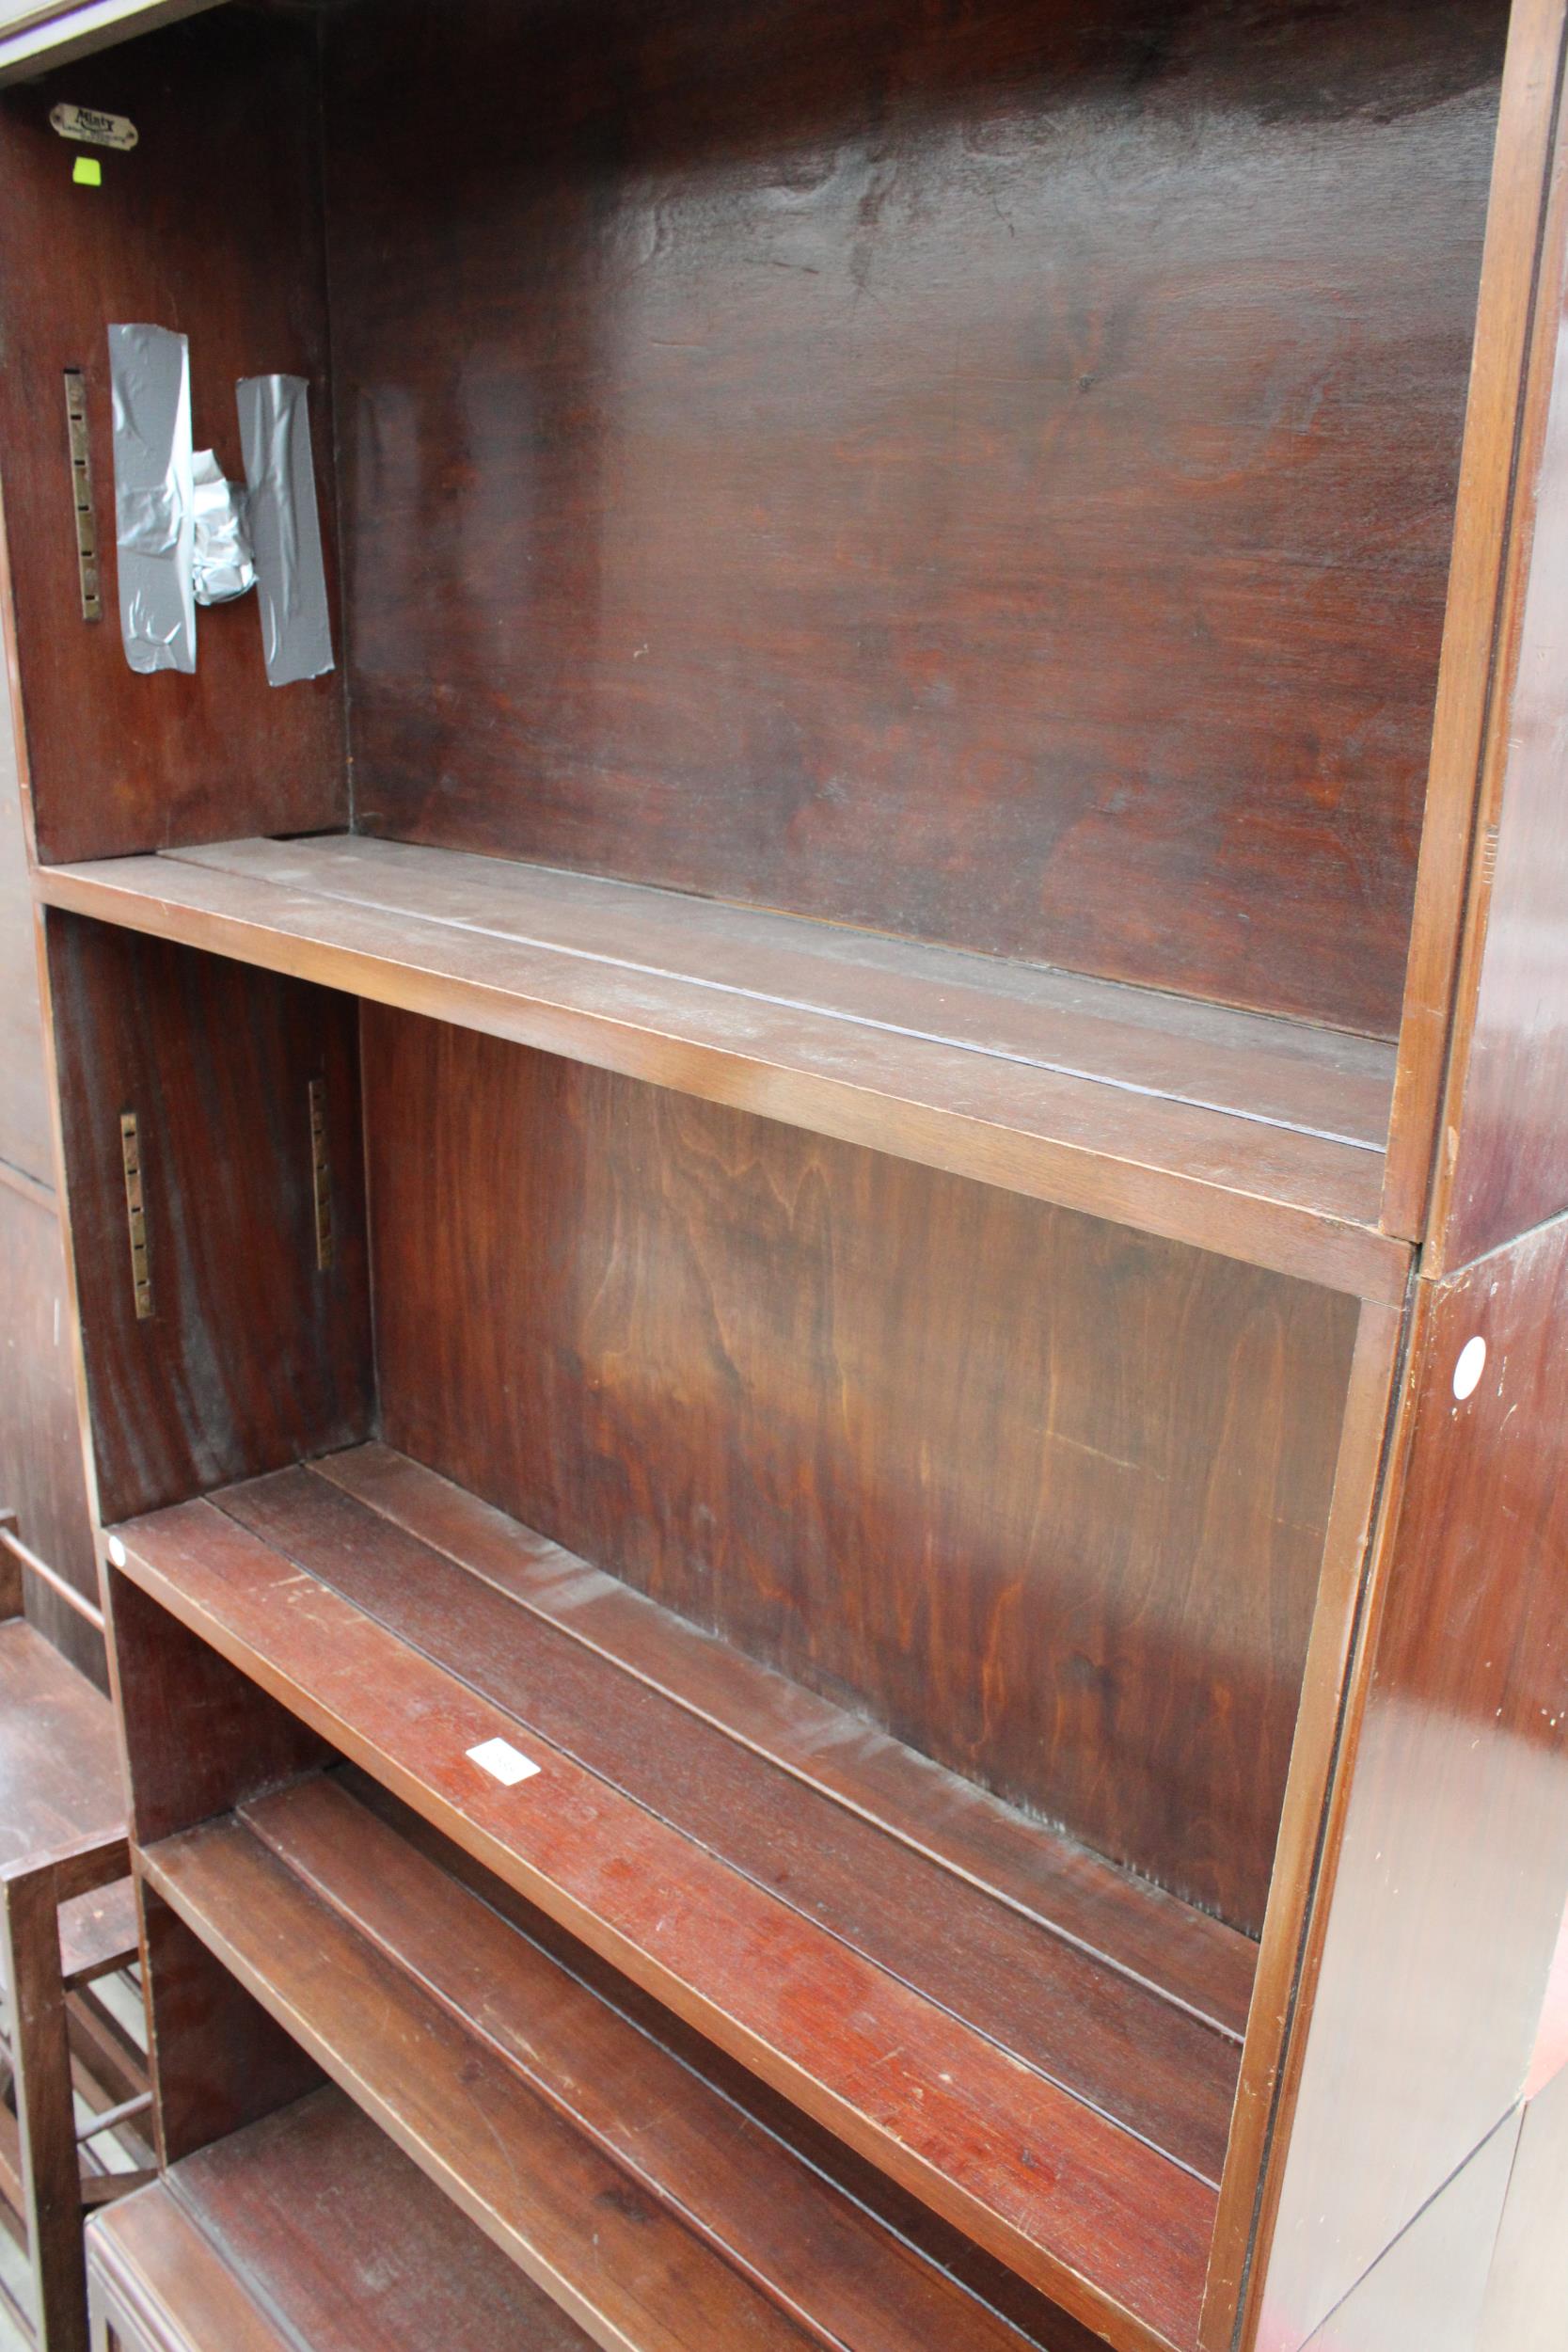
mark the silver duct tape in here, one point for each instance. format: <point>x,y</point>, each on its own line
<point>221,555</point>
<point>285,529</point>
<point>150,379</point>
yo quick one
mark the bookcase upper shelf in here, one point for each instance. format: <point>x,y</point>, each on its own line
<point>1255,1137</point>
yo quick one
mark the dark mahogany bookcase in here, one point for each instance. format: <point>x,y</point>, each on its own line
<point>818,1143</point>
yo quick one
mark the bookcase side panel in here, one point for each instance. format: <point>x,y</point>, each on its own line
<point>223,1346</point>
<point>1446,1897</point>
<point>210,224</point>
<point>1502,1166</point>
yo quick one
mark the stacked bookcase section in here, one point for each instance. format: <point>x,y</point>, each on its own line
<point>760,1209</point>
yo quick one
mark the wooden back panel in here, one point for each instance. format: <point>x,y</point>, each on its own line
<point>1043,1496</point>
<point>253,1355</point>
<point>985,472</point>
<point>210,224</point>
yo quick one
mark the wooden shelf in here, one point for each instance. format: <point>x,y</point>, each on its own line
<point>1258,1138</point>
<point>650,2208</point>
<point>1041,2048</point>
<point>308,2232</point>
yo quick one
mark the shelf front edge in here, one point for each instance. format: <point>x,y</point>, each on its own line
<point>314,938</point>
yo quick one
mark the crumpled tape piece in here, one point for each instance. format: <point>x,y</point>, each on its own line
<point>221,558</point>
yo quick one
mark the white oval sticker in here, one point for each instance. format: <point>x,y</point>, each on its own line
<point>1472,1364</point>
<point>83,123</point>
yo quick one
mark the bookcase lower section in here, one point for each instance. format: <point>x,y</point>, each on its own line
<point>307,2228</point>
<point>1037,2047</point>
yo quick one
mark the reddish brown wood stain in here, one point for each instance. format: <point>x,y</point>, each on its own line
<point>985,472</point>
<point>1046,1496</point>
<point>252,1354</point>
<point>212,226</point>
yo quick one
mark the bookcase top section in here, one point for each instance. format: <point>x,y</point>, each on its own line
<point>1259,1138</point>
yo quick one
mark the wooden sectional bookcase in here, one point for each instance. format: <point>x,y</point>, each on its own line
<point>819,1144</point>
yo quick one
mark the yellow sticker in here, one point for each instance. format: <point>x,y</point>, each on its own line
<point>87,173</point>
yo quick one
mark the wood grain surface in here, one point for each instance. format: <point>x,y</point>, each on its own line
<point>311,2227</point>
<point>1446,1895</point>
<point>1036,2176</point>
<point>1071,2014</point>
<point>1147,1935</point>
<point>1502,1165</point>
<point>986,475</point>
<point>693,2161</point>
<point>211,225</point>
<point>253,1354</point>
<point>1045,1497</point>
<point>1188,1121</point>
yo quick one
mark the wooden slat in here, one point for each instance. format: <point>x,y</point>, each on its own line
<point>165,2287</point>
<point>310,2228</point>
<point>622,2266</point>
<point>1098,2219</point>
<point>1111,2040</point>
<point>815,2254</point>
<point>962,1079</point>
<point>1320,1081</point>
<point>1191,1957</point>
<point>995,2286</point>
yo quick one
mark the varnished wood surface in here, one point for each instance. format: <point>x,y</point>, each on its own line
<point>990,476</point>
<point>689,2158</point>
<point>1448,1891</point>
<point>1312,1081</point>
<point>219,2061</point>
<point>212,226</point>
<point>1046,1498</point>
<point>1054,2006</point>
<point>1036,2176</point>
<point>42,2158</point>
<point>585,2229</point>
<point>1502,1165</point>
<point>1195,1959</point>
<point>999,2288</point>
<point>252,1354</point>
<point>1509,382</point>
<point>312,2229</point>
<point>172,1690</point>
<point>1266,2075</point>
<point>1295,1197</point>
<point>59,1757</point>
<point>43,1478</point>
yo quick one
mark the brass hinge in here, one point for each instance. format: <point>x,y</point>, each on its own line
<point>81,491</point>
<point>135,1212</point>
<point>321,1174</point>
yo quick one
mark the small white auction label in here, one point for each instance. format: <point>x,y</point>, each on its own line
<point>84,122</point>
<point>502,1761</point>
